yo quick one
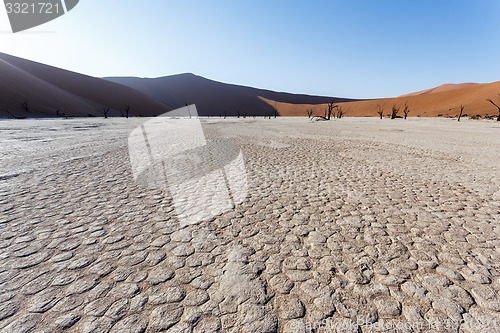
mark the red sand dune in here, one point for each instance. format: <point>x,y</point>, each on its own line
<point>472,97</point>
<point>441,88</point>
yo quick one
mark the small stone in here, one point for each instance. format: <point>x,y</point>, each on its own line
<point>449,307</point>
<point>82,285</point>
<point>165,316</point>
<point>196,297</point>
<point>24,324</point>
<point>449,273</point>
<point>281,284</point>
<point>7,309</point>
<point>77,263</point>
<point>356,276</point>
<point>187,274</point>
<point>183,250</point>
<point>413,314</point>
<point>155,257</point>
<point>31,260</point>
<point>192,315</point>
<point>183,236</point>
<point>202,282</point>
<point>160,274</point>
<point>486,297</point>
<point>67,320</point>
<point>44,301</point>
<point>68,303</point>
<point>118,309</point>
<point>315,289</point>
<point>63,279</point>
<point>102,268</point>
<point>160,241</point>
<point>166,295</point>
<point>208,324</point>
<point>414,290</point>
<point>290,307</point>
<point>137,303</point>
<point>135,323</point>
<point>325,304</point>
<point>95,324</point>
<point>388,306</point>
<point>124,290</point>
<point>98,307</point>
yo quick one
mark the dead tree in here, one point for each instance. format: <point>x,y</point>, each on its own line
<point>25,106</point>
<point>331,107</point>
<point>461,112</point>
<point>380,111</point>
<point>104,111</point>
<point>395,111</point>
<point>127,110</point>
<point>61,114</point>
<point>497,105</point>
<point>340,112</point>
<point>309,113</point>
<point>406,110</point>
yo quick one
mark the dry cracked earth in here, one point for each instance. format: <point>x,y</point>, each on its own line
<point>352,225</point>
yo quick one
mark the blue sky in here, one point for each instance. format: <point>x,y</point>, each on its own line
<point>360,49</point>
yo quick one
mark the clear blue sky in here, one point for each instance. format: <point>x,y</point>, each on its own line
<point>348,48</point>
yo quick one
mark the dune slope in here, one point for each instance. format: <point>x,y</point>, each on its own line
<point>443,103</point>
<point>212,97</point>
<point>47,89</point>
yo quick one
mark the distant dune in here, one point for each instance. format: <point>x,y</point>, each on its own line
<point>441,88</point>
<point>212,97</point>
<point>436,103</point>
<point>47,89</point>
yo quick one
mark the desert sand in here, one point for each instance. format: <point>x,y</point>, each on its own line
<point>353,221</point>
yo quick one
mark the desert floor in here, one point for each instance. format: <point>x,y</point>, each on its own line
<point>349,225</point>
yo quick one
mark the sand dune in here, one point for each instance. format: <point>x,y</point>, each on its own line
<point>425,105</point>
<point>212,97</point>
<point>441,88</point>
<point>47,89</point>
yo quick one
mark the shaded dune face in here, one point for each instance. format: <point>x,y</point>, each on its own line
<point>47,89</point>
<point>216,98</point>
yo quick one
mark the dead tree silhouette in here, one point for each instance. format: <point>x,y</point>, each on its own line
<point>406,110</point>
<point>497,105</point>
<point>461,112</point>
<point>380,110</point>
<point>395,111</point>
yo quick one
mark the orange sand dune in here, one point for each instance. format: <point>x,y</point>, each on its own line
<point>425,105</point>
<point>441,88</point>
